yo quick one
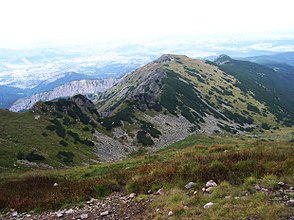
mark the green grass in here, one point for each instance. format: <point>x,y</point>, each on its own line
<point>21,132</point>
<point>231,160</point>
<point>231,202</point>
<point>266,85</point>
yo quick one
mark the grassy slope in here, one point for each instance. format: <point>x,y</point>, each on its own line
<point>235,162</point>
<point>22,132</point>
<point>186,82</point>
<point>275,89</point>
<point>219,89</point>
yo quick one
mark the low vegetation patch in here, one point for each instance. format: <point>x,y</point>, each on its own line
<point>235,164</point>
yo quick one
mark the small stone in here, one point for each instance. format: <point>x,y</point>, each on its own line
<point>160,191</point>
<point>291,188</point>
<point>291,201</point>
<point>208,205</point>
<point>55,184</point>
<point>157,210</point>
<point>70,211</point>
<point>257,187</point>
<point>149,191</point>
<point>186,207</point>
<point>132,195</point>
<point>209,189</point>
<point>195,192</point>
<point>211,183</point>
<point>104,213</point>
<point>203,189</point>
<point>170,213</point>
<point>14,214</point>
<point>59,214</point>
<point>92,200</point>
<point>236,197</point>
<point>228,197</point>
<point>264,190</point>
<point>281,184</point>
<point>84,216</point>
<point>189,185</point>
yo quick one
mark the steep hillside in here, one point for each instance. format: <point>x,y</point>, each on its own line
<point>173,96</point>
<point>43,138</point>
<point>69,89</point>
<point>273,85</point>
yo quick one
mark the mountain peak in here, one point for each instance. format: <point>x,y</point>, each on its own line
<point>223,58</point>
<point>165,58</point>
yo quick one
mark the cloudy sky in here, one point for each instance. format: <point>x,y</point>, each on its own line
<point>24,22</point>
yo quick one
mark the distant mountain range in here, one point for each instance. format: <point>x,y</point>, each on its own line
<point>280,58</point>
<point>72,88</point>
<point>10,95</point>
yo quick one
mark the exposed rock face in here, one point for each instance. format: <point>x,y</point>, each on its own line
<point>164,58</point>
<point>83,87</point>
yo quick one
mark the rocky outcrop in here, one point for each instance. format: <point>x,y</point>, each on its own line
<point>83,87</point>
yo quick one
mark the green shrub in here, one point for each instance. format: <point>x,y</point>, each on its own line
<point>32,157</point>
<point>63,143</point>
<point>20,155</point>
<point>265,126</point>
<point>252,108</point>
<point>101,191</point>
<point>143,139</point>
<point>148,127</point>
<point>65,156</point>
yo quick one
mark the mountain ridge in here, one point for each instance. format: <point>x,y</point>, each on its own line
<point>158,104</point>
<point>84,87</point>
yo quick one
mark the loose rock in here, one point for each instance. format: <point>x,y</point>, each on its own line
<point>160,191</point>
<point>257,187</point>
<point>208,205</point>
<point>84,216</point>
<point>132,195</point>
<point>70,211</point>
<point>59,214</point>
<point>209,189</point>
<point>14,214</point>
<point>211,183</point>
<point>104,213</point>
<point>189,185</point>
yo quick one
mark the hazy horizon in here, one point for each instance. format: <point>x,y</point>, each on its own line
<point>32,23</point>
